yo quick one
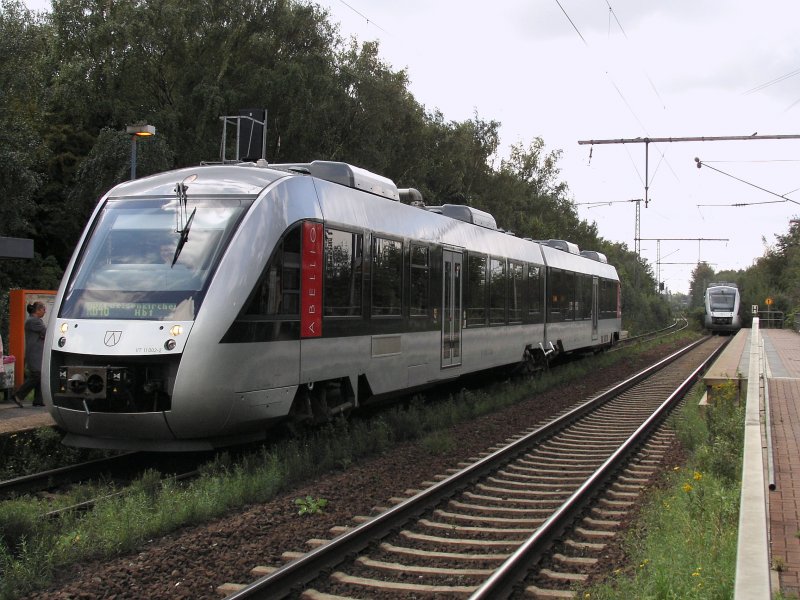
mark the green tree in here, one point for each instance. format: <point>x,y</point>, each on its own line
<point>79,75</point>
<point>21,43</point>
<point>702,275</point>
<point>109,163</point>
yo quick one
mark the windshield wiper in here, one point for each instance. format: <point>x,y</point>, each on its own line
<point>184,238</point>
<point>180,215</point>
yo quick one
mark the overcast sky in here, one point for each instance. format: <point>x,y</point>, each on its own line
<point>596,70</point>
<point>571,70</point>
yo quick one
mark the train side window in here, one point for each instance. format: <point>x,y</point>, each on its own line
<point>344,254</point>
<point>533,293</point>
<point>585,295</point>
<point>516,290</point>
<point>601,298</point>
<point>557,305</point>
<point>497,291</point>
<point>278,290</point>
<point>571,288</point>
<point>290,273</point>
<point>387,277</point>
<point>608,299</point>
<point>476,291</point>
<point>419,281</point>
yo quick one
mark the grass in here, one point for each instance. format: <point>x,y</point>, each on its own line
<point>33,548</point>
<point>685,543</point>
<point>38,450</point>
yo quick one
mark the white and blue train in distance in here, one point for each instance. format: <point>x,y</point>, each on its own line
<point>722,308</point>
<point>203,305</point>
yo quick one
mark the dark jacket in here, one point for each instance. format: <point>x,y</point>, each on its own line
<point>34,342</point>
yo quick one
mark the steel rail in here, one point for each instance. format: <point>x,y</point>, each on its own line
<point>291,576</point>
<point>54,477</point>
<point>652,335</point>
<point>503,581</point>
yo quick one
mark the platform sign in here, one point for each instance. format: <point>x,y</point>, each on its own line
<point>311,286</point>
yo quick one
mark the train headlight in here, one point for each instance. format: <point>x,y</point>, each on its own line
<point>170,344</point>
<point>176,330</point>
<point>61,341</point>
<point>64,327</point>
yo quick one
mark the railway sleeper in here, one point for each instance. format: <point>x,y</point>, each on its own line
<point>533,591</point>
<point>405,588</point>
<point>395,567</point>
<point>582,561</point>
<point>562,576</point>
<point>468,557</point>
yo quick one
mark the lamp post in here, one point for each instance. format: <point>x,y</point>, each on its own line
<point>138,131</point>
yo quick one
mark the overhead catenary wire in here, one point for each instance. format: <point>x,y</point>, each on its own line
<point>771,160</point>
<point>597,203</point>
<point>622,95</point>
<point>700,164</point>
<point>747,203</point>
<point>571,22</point>
<point>771,82</point>
<point>365,17</point>
<point>611,13</point>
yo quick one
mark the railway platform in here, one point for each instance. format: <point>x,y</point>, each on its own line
<point>782,370</point>
<point>733,363</point>
<point>14,419</point>
<point>769,532</point>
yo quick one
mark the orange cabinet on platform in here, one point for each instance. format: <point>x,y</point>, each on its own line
<point>18,300</point>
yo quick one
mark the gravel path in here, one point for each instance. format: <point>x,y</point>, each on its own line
<point>192,562</point>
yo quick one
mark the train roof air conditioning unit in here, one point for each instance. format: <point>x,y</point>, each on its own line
<point>594,255</point>
<point>563,245</point>
<point>469,215</point>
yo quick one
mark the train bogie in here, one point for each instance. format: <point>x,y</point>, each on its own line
<point>204,305</point>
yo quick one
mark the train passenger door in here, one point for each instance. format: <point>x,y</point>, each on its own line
<point>451,308</point>
<point>595,306</point>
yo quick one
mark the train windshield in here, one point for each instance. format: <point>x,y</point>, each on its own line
<point>126,270</point>
<point>722,300</point>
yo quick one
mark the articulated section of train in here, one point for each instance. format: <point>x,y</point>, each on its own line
<point>205,304</point>
<point>722,308</point>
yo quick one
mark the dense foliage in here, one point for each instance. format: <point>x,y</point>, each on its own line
<point>74,78</point>
<point>774,276</point>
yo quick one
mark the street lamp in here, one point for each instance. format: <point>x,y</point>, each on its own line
<point>138,131</point>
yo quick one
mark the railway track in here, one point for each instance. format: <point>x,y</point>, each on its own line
<point>122,467</point>
<point>678,325</point>
<point>533,515</point>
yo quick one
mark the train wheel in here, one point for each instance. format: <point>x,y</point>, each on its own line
<point>340,398</point>
<point>534,363</point>
<point>318,403</point>
<point>320,410</point>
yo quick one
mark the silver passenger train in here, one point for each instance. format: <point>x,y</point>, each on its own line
<point>203,305</point>
<point>722,308</point>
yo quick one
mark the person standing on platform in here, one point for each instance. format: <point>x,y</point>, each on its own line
<point>34,348</point>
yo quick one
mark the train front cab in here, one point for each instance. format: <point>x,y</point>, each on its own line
<point>722,304</point>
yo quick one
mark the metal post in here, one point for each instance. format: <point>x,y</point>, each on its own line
<point>133,157</point>
<point>140,130</point>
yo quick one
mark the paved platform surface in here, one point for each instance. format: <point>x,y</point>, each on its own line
<point>782,351</point>
<point>733,363</point>
<point>13,418</point>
